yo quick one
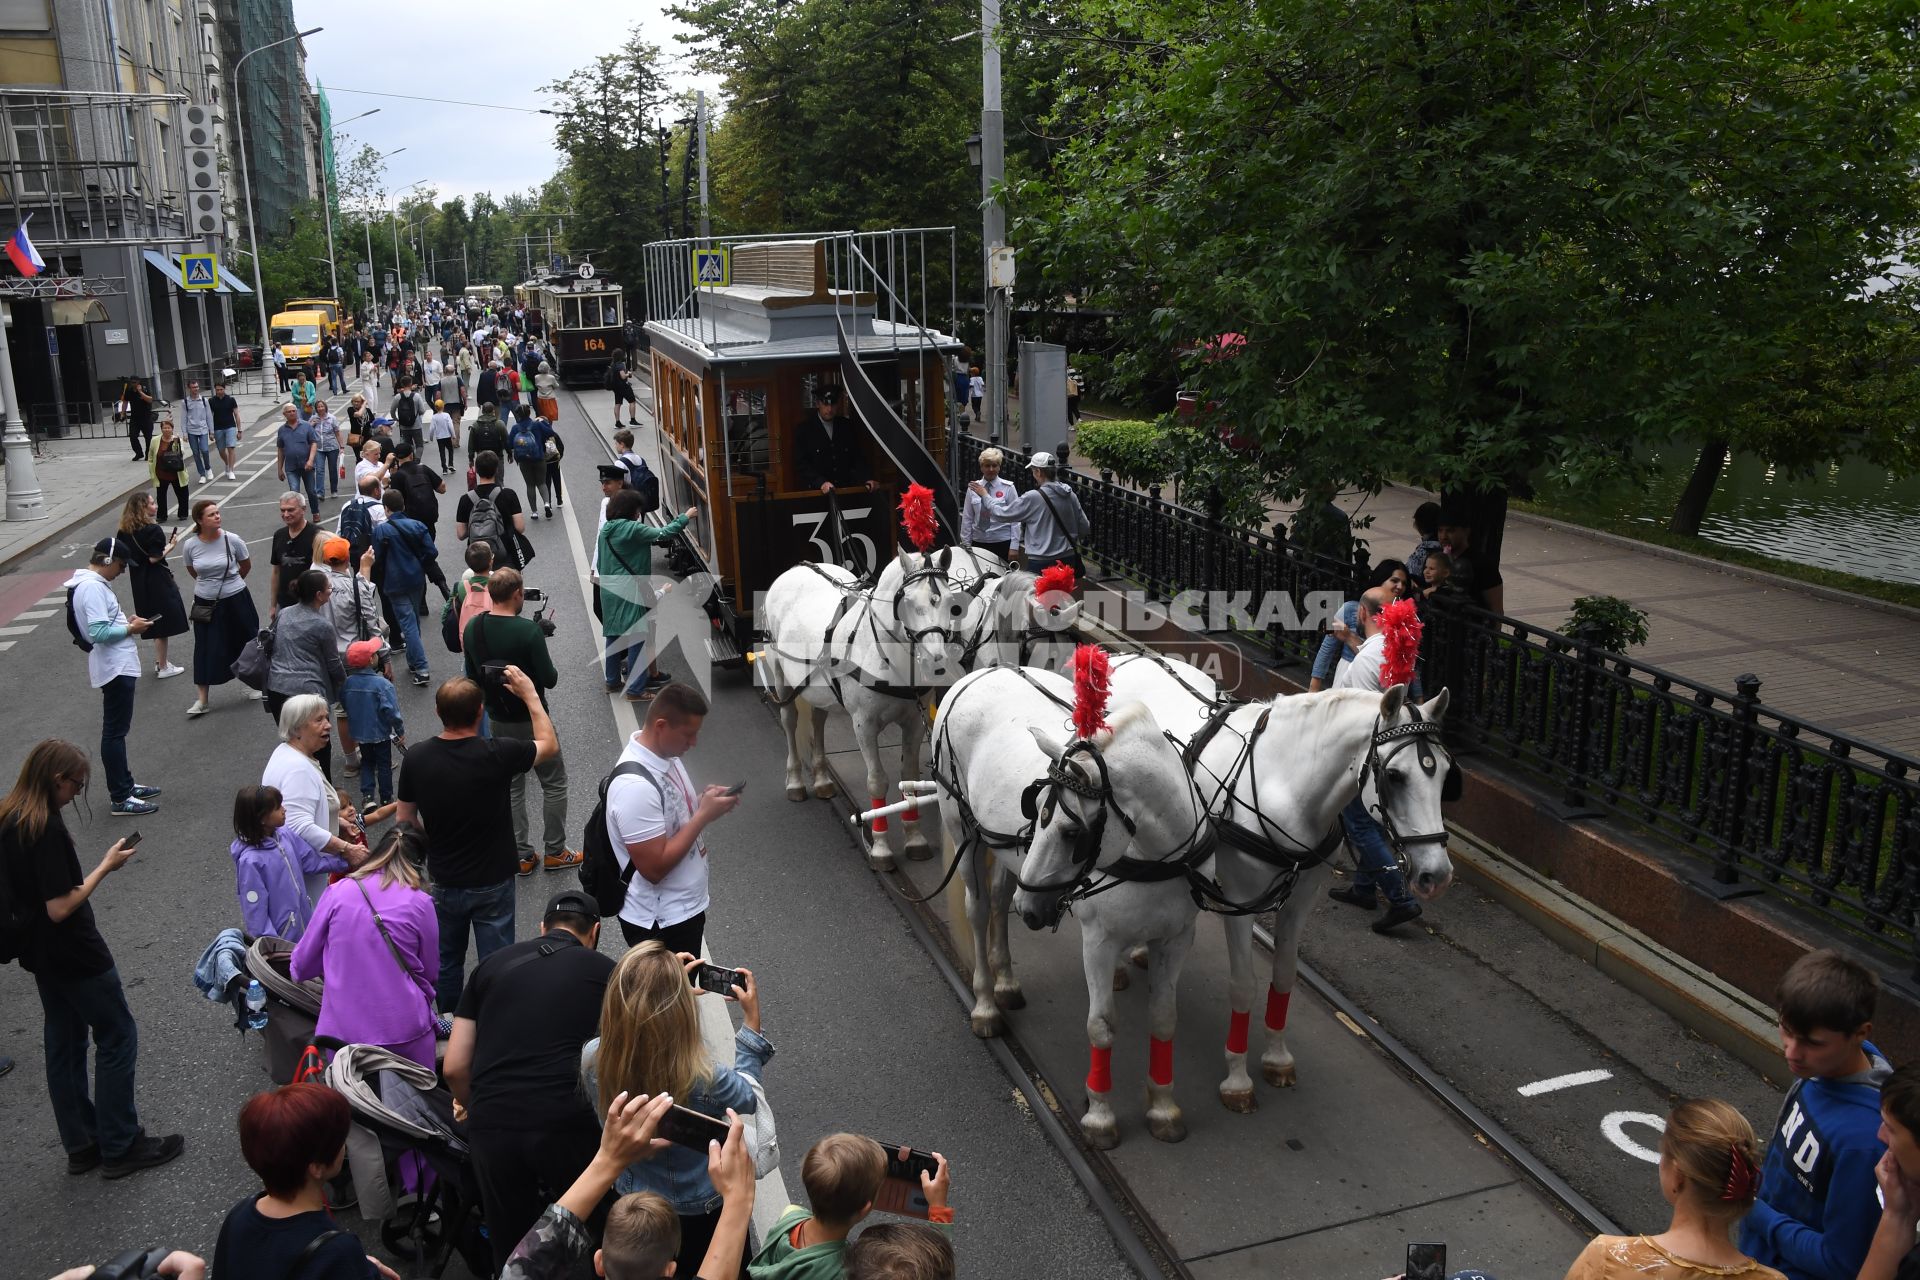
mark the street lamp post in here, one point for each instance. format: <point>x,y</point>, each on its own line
<point>373,282</point>
<point>246,177</point>
<point>991,156</point>
<point>326,205</point>
<point>394,223</point>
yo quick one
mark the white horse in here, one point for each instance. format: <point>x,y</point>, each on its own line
<point>1114,811</point>
<point>880,652</point>
<point>1276,775</point>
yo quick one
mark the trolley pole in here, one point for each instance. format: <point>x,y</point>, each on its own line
<point>700,131</point>
<point>998,263</point>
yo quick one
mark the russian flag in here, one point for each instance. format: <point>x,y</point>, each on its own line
<point>23,255</point>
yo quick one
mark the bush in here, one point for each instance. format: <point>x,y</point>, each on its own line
<point>1607,622</point>
<point>1135,451</point>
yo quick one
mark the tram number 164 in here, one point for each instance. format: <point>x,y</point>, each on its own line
<point>814,522</point>
<point>594,344</point>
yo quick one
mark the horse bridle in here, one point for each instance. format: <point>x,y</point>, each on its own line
<point>934,572</point>
<point>1422,735</point>
<point>1042,797</point>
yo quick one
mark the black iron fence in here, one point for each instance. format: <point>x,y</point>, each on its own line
<point>1768,802</point>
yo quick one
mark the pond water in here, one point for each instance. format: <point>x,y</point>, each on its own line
<point>1851,516</point>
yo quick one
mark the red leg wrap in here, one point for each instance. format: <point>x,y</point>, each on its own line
<point>1277,1002</point>
<point>1159,1060</point>
<point>911,815</point>
<point>1237,1031</point>
<point>1099,1070</point>
<point>879,824</point>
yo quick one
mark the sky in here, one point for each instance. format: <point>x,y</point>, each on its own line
<point>478,51</point>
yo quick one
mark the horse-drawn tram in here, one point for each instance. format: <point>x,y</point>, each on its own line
<point>797,389</point>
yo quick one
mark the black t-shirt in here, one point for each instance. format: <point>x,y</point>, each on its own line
<point>460,787</point>
<point>505,501</point>
<point>226,412</point>
<point>38,872</point>
<point>532,1015</point>
<point>294,554</point>
<point>252,1244</point>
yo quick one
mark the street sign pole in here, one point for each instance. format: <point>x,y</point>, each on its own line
<point>24,499</point>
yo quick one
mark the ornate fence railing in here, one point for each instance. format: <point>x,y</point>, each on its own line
<point>1766,801</point>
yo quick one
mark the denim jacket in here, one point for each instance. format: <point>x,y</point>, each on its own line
<point>680,1173</point>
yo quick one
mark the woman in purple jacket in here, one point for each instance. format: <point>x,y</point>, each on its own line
<point>376,941</point>
<point>269,866</point>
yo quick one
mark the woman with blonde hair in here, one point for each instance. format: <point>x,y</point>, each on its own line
<point>145,546</point>
<point>649,1043</point>
<point>1709,1173</point>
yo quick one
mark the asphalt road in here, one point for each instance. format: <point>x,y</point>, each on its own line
<point>864,1028</point>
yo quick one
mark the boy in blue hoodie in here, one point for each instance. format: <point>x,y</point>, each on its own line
<point>373,718</point>
<point>1817,1211</point>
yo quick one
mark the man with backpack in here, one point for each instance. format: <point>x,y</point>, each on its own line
<point>107,637</point>
<point>527,441</point>
<point>409,411</point>
<point>419,485</point>
<point>621,384</point>
<point>640,477</point>
<point>491,514</point>
<point>404,548</point>
<point>489,434</point>
<point>360,515</point>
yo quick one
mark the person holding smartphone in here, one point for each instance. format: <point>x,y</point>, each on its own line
<point>79,986</point>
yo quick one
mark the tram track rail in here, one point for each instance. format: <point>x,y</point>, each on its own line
<point>1131,1223</point>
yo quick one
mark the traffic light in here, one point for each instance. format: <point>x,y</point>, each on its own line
<point>204,217</point>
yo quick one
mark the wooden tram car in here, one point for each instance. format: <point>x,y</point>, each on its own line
<point>584,319</point>
<point>734,371</point>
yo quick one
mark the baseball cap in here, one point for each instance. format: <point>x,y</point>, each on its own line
<point>576,902</point>
<point>1042,459</point>
<point>369,654</point>
<point>102,552</point>
<point>336,550</point>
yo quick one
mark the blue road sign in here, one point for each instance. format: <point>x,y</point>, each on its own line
<point>199,271</point>
<point>711,268</point>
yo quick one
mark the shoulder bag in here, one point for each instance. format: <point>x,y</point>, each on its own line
<point>1073,543</point>
<point>393,947</point>
<point>202,610</point>
<point>255,662</point>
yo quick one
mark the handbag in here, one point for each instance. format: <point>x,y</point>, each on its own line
<point>393,947</point>
<point>255,662</point>
<point>203,610</point>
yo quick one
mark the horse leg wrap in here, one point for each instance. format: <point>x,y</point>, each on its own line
<point>1159,1060</point>
<point>911,815</point>
<point>1237,1031</point>
<point>879,824</point>
<point>1099,1070</point>
<point>1277,1002</point>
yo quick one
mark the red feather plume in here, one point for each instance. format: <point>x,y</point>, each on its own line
<point>916,510</point>
<point>1055,577</point>
<point>1090,689</point>
<point>1400,622</point>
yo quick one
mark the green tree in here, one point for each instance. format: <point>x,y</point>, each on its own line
<point>1478,242</point>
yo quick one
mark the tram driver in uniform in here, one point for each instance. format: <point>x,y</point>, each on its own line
<point>827,450</point>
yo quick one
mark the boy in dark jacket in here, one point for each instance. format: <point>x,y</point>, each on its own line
<point>1816,1213</point>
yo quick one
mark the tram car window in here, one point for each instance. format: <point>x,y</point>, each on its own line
<point>747,430</point>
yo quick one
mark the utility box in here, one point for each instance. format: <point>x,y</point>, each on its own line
<point>1043,396</point>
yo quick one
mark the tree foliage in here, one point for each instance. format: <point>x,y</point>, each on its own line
<point>1474,242</point>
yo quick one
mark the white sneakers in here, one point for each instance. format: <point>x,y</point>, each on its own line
<point>168,672</point>
<point>199,708</point>
<point>230,476</point>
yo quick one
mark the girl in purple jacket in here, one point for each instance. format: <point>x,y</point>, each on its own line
<point>269,863</point>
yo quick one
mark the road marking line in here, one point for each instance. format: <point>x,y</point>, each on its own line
<point>15,631</point>
<point>1570,1081</point>
<point>6,644</point>
<point>1614,1127</point>
<point>36,613</point>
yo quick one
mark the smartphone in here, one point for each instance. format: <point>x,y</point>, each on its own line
<point>692,1129</point>
<point>900,1191</point>
<point>1426,1261</point>
<point>735,789</point>
<point>132,840</point>
<point>908,1167</point>
<point>534,595</point>
<point>715,978</point>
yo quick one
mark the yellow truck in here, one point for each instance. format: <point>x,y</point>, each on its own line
<point>299,333</point>
<point>339,320</point>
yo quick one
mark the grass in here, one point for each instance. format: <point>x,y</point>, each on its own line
<point>1892,592</point>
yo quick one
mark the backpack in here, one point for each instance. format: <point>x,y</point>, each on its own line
<point>525,443</point>
<point>172,460</point>
<point>461,609</point>
<point>406,410</point>
<point>417,489</point>
<point>13,929</point>
<point>640,478</point>
<point>605,874</point>
<point>356,526</point>
<point>485,524</point>
<point>612,381</point>
<point>80,640</point>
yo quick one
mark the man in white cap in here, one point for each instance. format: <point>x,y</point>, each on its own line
<point>1050,517</point>
<point>113,667</point>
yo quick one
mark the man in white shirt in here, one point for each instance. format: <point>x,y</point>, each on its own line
<point>1374,863</point>
<point>113,667</point>
<point>658,819</point>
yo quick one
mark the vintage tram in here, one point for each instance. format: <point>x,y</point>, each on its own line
<point>584,317</point>
<point>742,332</point>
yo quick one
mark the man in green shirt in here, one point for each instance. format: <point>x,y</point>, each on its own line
<point>493,641</point>
<point>624,557</point>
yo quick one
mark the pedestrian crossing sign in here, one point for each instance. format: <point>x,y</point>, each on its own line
<point>712,269</point>
<point>199,271</point>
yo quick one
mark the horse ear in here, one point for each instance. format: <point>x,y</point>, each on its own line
<point>946,555</point>
<point>1392,700</point>
<point>1052,746</point>
<point>905,557</point>
<point>1436,706</point>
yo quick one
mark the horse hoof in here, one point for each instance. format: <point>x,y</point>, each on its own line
<point>919,852</point>
<point>1239,1101</point>
<point>990,1024</point>
<point>1139,957</point>
<point>1121,979</point>
<point>796,792</point>
<point>1010,996</point>
<point>880,860</point>
<point>1279,1077</point>
<point>823,790</point>
<point>1101,1135</point>
<point>1167,1128</point>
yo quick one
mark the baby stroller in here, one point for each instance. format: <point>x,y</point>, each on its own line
<point>400,1108</point>
<point>293,1008</point>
